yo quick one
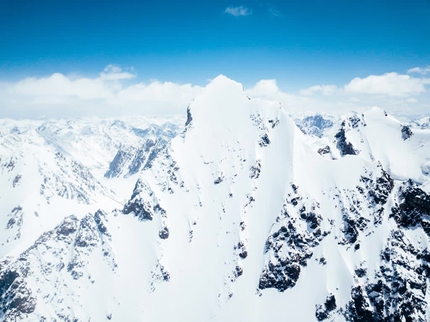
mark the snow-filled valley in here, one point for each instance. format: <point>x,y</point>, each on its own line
<point>235,212</point>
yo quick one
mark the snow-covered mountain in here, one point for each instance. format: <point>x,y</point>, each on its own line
<point>241,217</point>
<point>423,122</point>
<point>315,124</point>
<point>51,169</point>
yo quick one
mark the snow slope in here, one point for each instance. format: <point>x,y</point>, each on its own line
<point>243,217</point>
<point>52,169</point>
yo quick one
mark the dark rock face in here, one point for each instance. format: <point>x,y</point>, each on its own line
<point>67,227</point>
<point>382,188</point>
<point>274,123</point>
<point>255,170</point>
<point>16,299</point>
<point>91,235</point>
<point>281,277</point>
<point>16,180</point>
<point>376,191</point>
<point>238,271</point>
<point>324,150</point>
<point>15,219</point>
<point>406,132</point>
<point>9,165</point>
<point>241,250</point>
<point>99,218</point>
<point>361,272</point>
<point>291,245</point>
<point>264,140</point>
<point>69,245</point>
<point>6,280</point>
<point>138,188</point>
<point>140,208</point>
<point>85,236</point>
<point>330,303</point>
<point>356,219</point>
<point>164,233</point>
<point>345,147</point>
<point>363,208</point>
<point>413,209</point>
<point>218,180</point>
<point>143,203</point>
<point>158,147</point>
<point>173,175</point>
<point>342,144</point>
<point>189,117</point>
<point>399,292</point>
<point>351,228</point>
<point>159,275</point>
<point>358,309</point>
<point>323,312</point>
<point>355,121</point>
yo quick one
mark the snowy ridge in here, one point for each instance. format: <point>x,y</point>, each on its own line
<point>423,123</point>
<point>243,214</point>
<point>52,169</point>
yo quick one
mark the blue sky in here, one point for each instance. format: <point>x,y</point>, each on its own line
<point>298,43</point>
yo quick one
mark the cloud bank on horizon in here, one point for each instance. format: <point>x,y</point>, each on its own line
<point>114,93</point>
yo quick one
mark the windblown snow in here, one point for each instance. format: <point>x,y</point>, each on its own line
<point>243,214</point>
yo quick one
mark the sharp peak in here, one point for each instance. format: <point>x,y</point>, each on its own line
<point>223,80</point>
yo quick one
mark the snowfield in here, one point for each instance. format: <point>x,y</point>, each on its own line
<point>243,214</point>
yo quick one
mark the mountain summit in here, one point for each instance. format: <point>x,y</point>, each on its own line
<point>243,217</point>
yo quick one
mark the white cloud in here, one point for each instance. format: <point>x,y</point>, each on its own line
<point>268,89</point>
<point>116,92</point>
<point>238,11</point>
<point>391,84</point>
<point>106,95</point>
<point>324,89</point>
<point>57,85</point>
<point>419,70</point>
<point>274,12</point>
<point>113,72</point>
<point>265,87</point>
<point>340,100</point>
<point>156,91</point>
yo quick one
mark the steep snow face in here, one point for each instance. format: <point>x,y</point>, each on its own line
<point>243,214</point>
